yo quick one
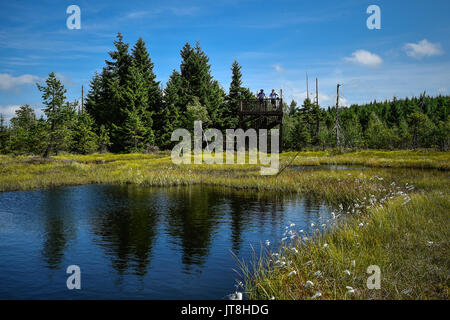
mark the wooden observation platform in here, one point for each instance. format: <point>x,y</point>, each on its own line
<point>262,114</point>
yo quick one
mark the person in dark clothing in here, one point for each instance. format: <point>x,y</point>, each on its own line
<point>273,99</point>
<point>261,97</point>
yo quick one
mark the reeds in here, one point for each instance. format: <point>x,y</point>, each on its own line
<point>407,237</point>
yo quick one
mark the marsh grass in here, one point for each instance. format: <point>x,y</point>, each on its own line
<point>408,241</point>
<point>20,173</point>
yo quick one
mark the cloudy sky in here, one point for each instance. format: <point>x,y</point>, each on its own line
<point>276,42</point>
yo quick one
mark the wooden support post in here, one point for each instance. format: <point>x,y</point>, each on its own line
<point>281,135</point>
<point>82,99</point>
<point>317,92</point>
<point>338,144</point>
<point>281,120</point>
<point>307,86</point>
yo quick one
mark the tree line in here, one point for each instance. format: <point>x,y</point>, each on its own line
<point>410,123</point>
<point>128,110</point>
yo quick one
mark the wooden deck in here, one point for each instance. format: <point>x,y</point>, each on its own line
<point>263,114</point>
<point>266,107</point>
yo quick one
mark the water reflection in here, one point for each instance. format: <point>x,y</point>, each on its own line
<point>59,227</point>
<point>192,216</point>
<point>127,227</point>
<point>329,167</point>
<point>134,242</point>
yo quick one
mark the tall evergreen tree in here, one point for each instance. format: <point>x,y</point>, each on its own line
<point>134,102</point>
<point>121,60</point>
<point>58,112</point>
<point>234,96</point>
<point>98,100</point>
<point>168,118</point>
<point>198,82</point>
<point>143,63</point>
<point>4,135</point>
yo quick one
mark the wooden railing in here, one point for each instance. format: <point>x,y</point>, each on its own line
<point>262,106</point>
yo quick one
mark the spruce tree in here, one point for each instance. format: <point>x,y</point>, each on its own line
<point>4,135</point>
<point>198,82</point>
<point>85,140</point>
<point>236,94</point>
<point>142,61</point>
<point>134,132</point>
<point>53,95</point>
<point>135,99</point>
<point>103,139</point>
<point>121,60</point>
<point>23,137</point>
<point>107,105</point>
<point>377,134</point>
<point>292,108</point>
<point>168,118</point>
<point>98,99</point>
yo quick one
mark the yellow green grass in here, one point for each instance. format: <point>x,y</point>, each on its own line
<point>421,159</point>
<point>22,173</point>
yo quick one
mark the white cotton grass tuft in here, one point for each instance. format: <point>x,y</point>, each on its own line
<point>317,295</point>
<point>318,273</point>
<point>292,273</point>
<point>309,284</point>
<point>235,296</point>
<point>350,290</point>
<point>347,272</point>
<point>325,246</point>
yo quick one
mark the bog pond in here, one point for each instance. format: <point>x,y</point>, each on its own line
<point>139,243</point>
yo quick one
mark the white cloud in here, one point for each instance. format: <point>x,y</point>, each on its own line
<point>365,58</point>
<point>176,11</point>
<point>137,14</point>
<point>66,81</point>
<point>8,111</point>
<point>8,82</point>
<point>278,68</point>
<point>324,99</point>
<point>422,49</point>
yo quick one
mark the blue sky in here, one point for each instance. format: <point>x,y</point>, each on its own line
<point>276,42</point>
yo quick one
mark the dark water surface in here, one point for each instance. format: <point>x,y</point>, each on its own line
<point>328,167</point>
<point>138,243</point>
